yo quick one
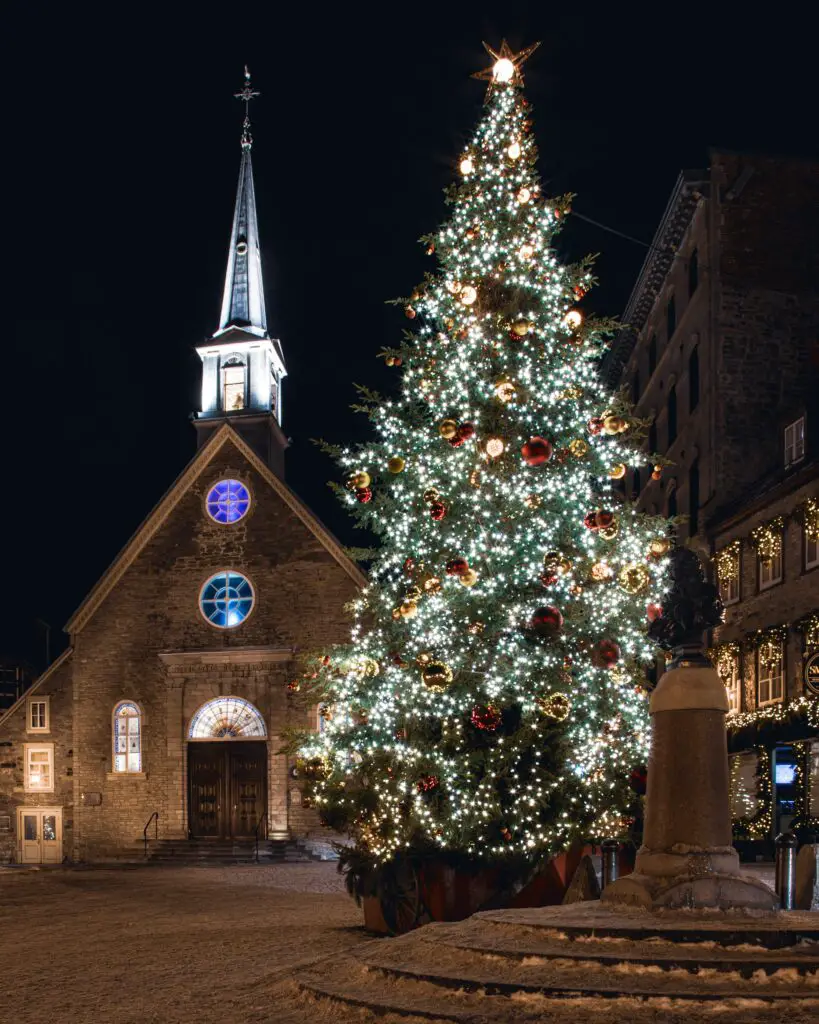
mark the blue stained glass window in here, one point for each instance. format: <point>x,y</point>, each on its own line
<point>228,501</point>
<point>226,599</point>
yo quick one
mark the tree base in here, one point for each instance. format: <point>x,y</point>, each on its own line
<point>716,890</point>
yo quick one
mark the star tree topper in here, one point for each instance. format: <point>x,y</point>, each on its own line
<point>507,64</point>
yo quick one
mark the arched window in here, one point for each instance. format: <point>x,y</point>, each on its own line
<point>227,501</point>
<point>233,384</point>
<point>127,737</point>
<point>226,599</point>
<point>227,718</point>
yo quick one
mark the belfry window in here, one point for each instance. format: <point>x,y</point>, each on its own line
<point>127,737</point>
<point>227,501</point>
<point>233,385</point>
<point>226,599</point>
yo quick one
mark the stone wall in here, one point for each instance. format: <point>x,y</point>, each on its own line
<point>55,686</point>
<point>300,591</point>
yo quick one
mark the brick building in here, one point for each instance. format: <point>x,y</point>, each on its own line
<point>171,702</point>
<point>721,355</point>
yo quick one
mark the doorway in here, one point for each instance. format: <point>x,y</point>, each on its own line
<point>41,835</point>
<point>227,787</point>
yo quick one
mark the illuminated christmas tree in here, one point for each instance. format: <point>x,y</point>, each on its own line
<point>491,701</point>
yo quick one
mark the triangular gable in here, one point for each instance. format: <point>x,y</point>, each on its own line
<point>171,499</point>
<point>38,682</point>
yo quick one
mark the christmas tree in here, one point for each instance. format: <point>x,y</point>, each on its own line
<point>491,701</point>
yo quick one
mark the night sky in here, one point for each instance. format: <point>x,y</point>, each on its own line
<point>122,143</point>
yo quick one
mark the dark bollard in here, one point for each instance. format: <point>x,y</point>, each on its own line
<point>786,845</point>
<point>611,849</point>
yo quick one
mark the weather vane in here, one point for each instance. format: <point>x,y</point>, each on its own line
<point>247,94</point>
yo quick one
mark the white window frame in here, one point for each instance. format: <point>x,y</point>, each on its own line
<point>127,754</point>
<point>38,748</point>
<point>731,590</point>
<point>733,687</point>
<point>770,570</point>
<point>774,681</point>
<point>30,704</point>
<point>234,384</point>
<point>794,438</point>
<point>811,551</point>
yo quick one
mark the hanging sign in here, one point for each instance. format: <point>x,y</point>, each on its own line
<point>811,674</point>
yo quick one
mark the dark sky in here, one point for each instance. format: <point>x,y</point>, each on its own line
<point>122,143</point>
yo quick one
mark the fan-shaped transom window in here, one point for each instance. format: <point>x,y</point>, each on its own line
<point>226,599</point>
<point>127,737</point>
<point>228,501</point>
<point>227,718</point>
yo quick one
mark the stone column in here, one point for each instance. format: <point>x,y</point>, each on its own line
<point>687,859</point>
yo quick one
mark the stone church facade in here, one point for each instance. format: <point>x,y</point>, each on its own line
<point>171,702</point>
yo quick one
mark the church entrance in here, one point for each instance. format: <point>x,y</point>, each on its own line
<point>228,789</point>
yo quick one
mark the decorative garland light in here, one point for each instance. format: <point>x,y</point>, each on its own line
<point>810,518</point>
<point>767,539</point>
<point>726,562</point>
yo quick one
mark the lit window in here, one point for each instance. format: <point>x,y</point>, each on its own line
<point>728,669</point>
<point>728,564</point>
<point>228,501</point>
<point>127,738</point>
<point>38,718</point>
<point>226,718</point>
<point>795,442</point>
<point>770,570</point>
<point>226,599</point>
<point>39,767</point>
<point>233,385</point>
<point>770,673</point>
<point>811,551</point>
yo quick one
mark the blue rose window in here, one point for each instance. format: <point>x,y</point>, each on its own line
<point>228,501</point>
<point>226,599</point>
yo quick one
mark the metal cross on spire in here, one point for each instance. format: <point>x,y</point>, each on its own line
<point>247,94</point>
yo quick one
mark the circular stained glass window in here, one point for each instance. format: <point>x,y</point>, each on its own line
<point>226,599</point>
<point>228,501</point>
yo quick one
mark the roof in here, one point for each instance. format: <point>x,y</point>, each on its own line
<point>155,519</point>
<point>38,682</point>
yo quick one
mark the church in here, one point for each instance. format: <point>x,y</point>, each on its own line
<point>164,717</point>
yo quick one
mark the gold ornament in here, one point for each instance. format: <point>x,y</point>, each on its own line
<point>578,448</point>
<point>475,478</point>
<point>520,328</point>
<point>513,151</point>
<point>447,428</point>
<point>634,578</point>
<point>466,165</point>
<point>533,501</point>
<point>609,532</point>
<point>431,494</point>
<point>573,319</point>
<point>505,391</point>
<point>396,614</point>
<point>618,471</point>
<point>494,447</point>
<point>557,564</point>
<point>432,585</point>
<point>424,658</point>
<point>601,571</point>
<point>475,628</point>
<point>571,393</point>
<point>614,424</point>
<point>575,589</point>
<point>526,252</point>
<point>358,481</point>
<point>555,705</point>
<point>468,295</point>
<point>408,610</point>
<point>469,578</point>
<point>524,195</point>
<point>659,546</point>
<point>396,464</point>
<point>437,676</point>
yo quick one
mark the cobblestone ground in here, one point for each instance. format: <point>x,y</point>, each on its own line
<point>170,945</point>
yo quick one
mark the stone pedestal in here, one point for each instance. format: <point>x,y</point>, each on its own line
<point>687,859</point>
<point>807,877</point>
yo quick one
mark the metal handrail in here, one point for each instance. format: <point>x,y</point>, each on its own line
<point>262,821</point>
<point>155,819</point>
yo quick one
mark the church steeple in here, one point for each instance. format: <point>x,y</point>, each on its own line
<point>242,366</point>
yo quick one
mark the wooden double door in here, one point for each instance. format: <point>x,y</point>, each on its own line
<point>227,786</point>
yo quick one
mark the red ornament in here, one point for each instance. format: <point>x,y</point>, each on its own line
<point>596,425</point>
<point>605,654</point>
<point>293,686</point>
<point>546,621</point>
<point>409,565</point>
<point>427,783</point>
<point>561,455</point>
<point>466,431</point>
<point>579,291</point>
<point>326,659</point>
<point>653,611</point>
<point>437,510</point>
<point>590,520</point>
<point>604,520</point>
<point>536,451</point>
<point>506,835</point>
<point>456,441</point>
<point>457,567</point>
<point>364,495</point>
<point>548,578</point>
<point>486,716</point>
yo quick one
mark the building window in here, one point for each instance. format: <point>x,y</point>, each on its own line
<point>811,551</point>
<point>672,415</point>
<point>226,599</point>
<point>233,385</point>
<point>694,380</point>
<point>795,442</point>
<point>227,501</point>
<point>652,354</point>
<point>693,271</point>
<point>727,665</point>
<point>227,718</point>
<point>39,776</point>
<point>670,317</point>
<point>770,673</point>
<point>770,571</point>
<point>127,737</point>
<point>38,715</point>
<point>693,498</point>
<point>727,563</point>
